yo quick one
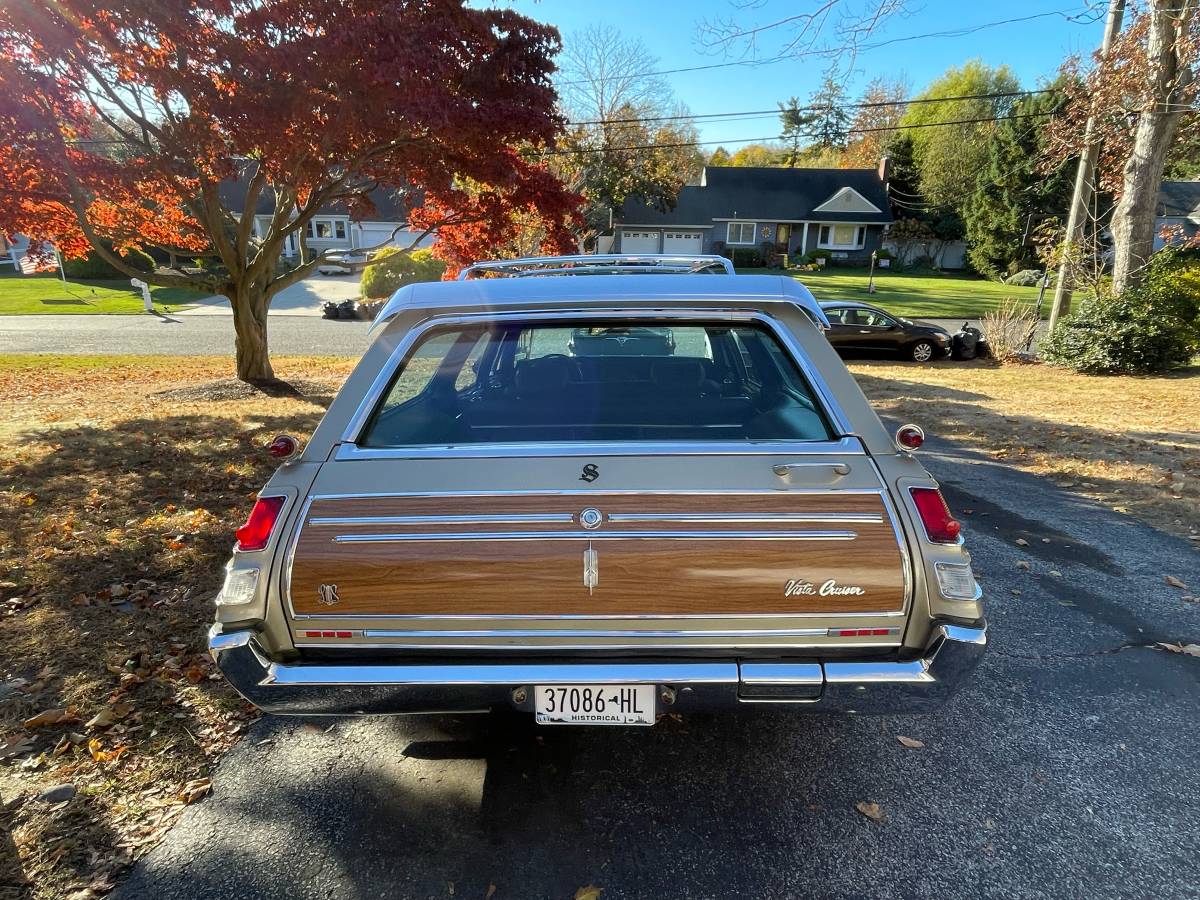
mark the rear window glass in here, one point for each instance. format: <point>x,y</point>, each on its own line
<point>603,381</point>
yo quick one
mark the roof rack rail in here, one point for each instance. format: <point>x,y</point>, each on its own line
<point>600,264</point>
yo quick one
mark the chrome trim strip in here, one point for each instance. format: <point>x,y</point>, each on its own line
<point>552,449</point>
<point>678,263</point>
<point>780,673</point>
<point>855,518</point>
<point>474,519</point>
<point>594,633</point>
<point>598,536</point>
<point>505,674</point>
<point>398,355</point>
<point>592,492</point>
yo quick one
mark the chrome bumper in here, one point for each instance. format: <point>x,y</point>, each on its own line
<point>918,685</point>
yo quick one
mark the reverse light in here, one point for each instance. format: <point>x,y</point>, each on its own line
<point>256,533</point>
<point>239,587</point>
<point>956,581</point>
<point>940,526</point>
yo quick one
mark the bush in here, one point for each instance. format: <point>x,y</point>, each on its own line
<point>393,268</point>
<point>884,253</point>
<point>1009,330</point>
<point>1024,278</point>
<point>747,258</point>
<point>1149,329</point>
<point>93,267</point>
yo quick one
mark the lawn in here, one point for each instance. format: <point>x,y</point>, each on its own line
<point>931,296</point>
<point>121,482</point>
<point>24,295</point>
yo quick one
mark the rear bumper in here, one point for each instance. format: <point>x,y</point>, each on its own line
<point>918,685</point>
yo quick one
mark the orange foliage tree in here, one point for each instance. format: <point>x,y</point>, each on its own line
<point>122,125</point>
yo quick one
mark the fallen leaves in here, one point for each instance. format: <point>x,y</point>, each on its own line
<point>99,754</point>
<point>49,717</point>
<point>872,811</point>
<point>1174,582</point>
<point>588,892</point>
<point>195,790</point>
<point>910,743</point>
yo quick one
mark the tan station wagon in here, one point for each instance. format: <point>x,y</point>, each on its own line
<point>599,489</point>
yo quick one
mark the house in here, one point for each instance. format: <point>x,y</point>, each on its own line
<point>1178,213</point>
<point>333,227</point>
<point>793,211</point>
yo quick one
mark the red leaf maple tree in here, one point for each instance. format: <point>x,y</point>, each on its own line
<point>122,125</point>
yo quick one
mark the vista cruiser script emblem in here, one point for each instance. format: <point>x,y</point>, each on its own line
<point>327,594</point>
<point>797,588</point>
<point>590,473</point>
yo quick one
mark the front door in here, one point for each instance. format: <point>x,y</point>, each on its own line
<point>783,237</point>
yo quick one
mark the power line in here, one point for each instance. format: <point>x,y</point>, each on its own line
<point>579,150</point>
<point>1079,17</point>
<point>872,104</point>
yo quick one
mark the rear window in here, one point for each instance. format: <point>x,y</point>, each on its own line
<point>598,381</point>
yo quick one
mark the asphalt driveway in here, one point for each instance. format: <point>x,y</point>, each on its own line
<point>1067,768</point>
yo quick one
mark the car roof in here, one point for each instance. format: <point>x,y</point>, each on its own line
<point>852,304</point>
<point>756,291</point>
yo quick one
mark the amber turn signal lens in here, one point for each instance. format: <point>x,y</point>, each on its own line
<point>909,437</point>
<point>256,533</point>
<point>283,446</point>
<point>940,526</point>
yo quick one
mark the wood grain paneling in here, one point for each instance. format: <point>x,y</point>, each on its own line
<point>637,575</point>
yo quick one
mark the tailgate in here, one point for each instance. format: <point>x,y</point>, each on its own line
<point>526,539</point>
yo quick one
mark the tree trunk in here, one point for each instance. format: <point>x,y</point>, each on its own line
<point>250,335</point>
<point>1133,219</point>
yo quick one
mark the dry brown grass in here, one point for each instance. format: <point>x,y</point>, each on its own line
<point>117,506</point>
<point>1130,443</point>
<point>122,479</point>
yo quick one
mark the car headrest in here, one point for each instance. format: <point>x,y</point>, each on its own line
<point>542,376</point>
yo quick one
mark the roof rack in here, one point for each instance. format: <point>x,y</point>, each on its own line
<point>600,264</point>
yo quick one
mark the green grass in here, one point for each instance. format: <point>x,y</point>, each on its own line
<point>915,295</point>
<point>24,295</point>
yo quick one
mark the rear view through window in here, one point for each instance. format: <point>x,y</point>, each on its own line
<point>596,381</point>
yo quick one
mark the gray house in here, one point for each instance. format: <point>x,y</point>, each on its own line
<point>794,211</point>
<point>1178,213</point>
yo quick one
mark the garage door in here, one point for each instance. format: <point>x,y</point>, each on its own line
<point>683,242</point>
<point>639,242</point>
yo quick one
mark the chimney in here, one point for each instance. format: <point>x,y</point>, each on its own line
<point>885,169</point>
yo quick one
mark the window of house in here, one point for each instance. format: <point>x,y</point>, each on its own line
<point>740,232</point>
<point>842,237</point>
<point>326,229</point>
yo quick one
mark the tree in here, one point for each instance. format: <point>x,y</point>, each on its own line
<point>720,157</point>
<point>827,122</point>
<point>795,122</point>
<point>1137,97</point>
<point>873,127</point>
<point>759,155</point>
<point>1014,192</point>
<point>628,137</point>
<point>311,103</point>
<point>950,157</point>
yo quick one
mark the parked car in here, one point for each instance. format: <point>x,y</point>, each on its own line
<point>343,262</point>
<point>860,327</point>
<point>487,517</point>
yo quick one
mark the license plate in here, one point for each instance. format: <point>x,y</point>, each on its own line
<point>594,704</point>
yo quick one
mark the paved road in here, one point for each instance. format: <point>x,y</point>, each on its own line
<point>1067,768</point>
<point>192,334</point>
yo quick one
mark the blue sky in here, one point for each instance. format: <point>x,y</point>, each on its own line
<point>669,29</point>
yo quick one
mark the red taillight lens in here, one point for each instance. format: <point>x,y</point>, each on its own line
<point>257,530</point>
<point>941,527</point>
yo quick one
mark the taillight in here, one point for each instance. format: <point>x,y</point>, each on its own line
<point>940,526</point>
<point>255,534</point>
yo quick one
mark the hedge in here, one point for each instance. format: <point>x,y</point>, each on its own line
<point>392,268</point>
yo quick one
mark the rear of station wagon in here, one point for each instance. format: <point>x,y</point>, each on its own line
<point>599,499</point>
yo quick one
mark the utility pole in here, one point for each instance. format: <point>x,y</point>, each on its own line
<point>1085,181</point>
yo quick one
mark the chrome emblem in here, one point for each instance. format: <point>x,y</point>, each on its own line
<point>327,594</point>
<point>591,568</point>
<point>590,473</point>
<point>797,588</point>
<point>590,518</point>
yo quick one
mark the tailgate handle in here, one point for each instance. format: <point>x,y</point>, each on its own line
<point>784,470</point>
